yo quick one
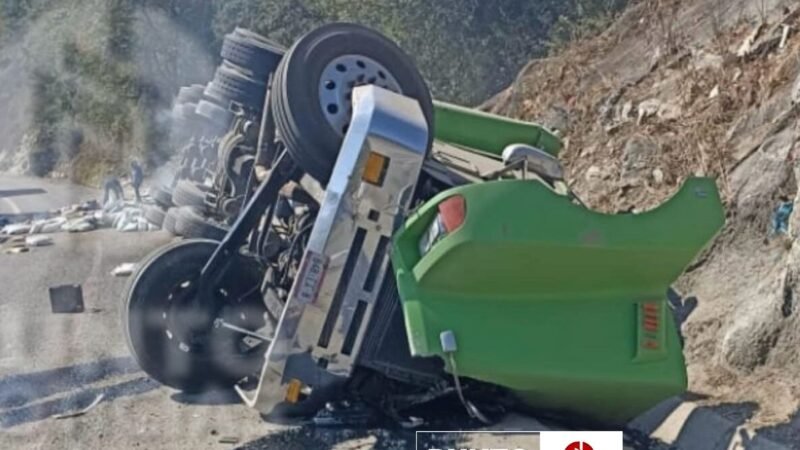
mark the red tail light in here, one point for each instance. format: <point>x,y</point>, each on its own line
<point>453,211</point>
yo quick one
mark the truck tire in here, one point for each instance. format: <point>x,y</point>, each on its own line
<point>161,196</point>
<point>191,224</point>
<point>170,221</point>
<point>313,84</point>
<point>160,338</point>
<point>252,52</point>
<point>231,84</point>
<point>155,215</point>
<point>216,114</point>
<point>187,193</point>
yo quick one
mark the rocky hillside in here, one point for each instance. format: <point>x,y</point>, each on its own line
<point>676,88</point>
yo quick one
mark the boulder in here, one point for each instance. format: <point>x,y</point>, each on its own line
<point>639,154</point>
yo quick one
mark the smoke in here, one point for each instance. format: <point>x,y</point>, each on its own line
<point>71,106</point>
<point>15,95</point>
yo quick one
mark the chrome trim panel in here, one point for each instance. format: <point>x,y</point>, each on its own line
<point>394,127</point>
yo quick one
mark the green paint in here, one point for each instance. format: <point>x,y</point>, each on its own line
<point>488,133</point>
<point>544,296</point>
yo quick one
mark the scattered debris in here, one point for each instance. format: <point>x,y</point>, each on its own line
<point>412,423</point>
<point>66,299</point>
<point>747,46</point>
<point>38,241</point>
<point>124,270</point>
<point>80,225</point>
<point>344,413</point>
<point>83,411</point>
<point>714,92</point>
<point>83,217</point>
<point>49,226</point>
<point>16,229</point>
<point>784,36</point>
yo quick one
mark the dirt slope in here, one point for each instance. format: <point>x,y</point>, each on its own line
<point>705,87</point>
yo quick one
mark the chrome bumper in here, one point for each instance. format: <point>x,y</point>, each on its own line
<point>320,330</point>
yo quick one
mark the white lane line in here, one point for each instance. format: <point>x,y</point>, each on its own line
<point>669,430</point>
<point>14,208</point>
<point>741,435</point>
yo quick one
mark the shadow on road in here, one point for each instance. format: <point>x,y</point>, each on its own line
<point>75,402</point>
<point>19,390</point>
<point>382,433</point>
<point>21,192</point>
<point>218,397</point>
<point>313,438</point>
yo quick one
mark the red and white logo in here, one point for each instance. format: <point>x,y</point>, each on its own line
<point>580,440</point>
<point>578,445</point>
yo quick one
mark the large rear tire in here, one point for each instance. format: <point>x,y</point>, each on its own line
<point>253,52</point>
<point>217,115</point>
<point>161,196</point>
<point>171,221</point>
<point>155,319</point>
<point>191,224</point>
<point>155,215</point>
<point>231,84</point>
<point>188,193</point>
<point>312,109</point>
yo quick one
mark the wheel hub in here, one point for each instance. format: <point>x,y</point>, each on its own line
<point>338,80</point>
<point>185,322</point>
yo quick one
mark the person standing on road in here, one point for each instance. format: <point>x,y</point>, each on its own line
<point>137,176</point>
<point>112,188</point>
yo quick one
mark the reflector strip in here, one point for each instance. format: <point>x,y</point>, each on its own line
<point>651,331</point>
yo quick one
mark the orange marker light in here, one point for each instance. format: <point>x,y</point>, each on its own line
<point>293,391</point>
<point>375,169</point>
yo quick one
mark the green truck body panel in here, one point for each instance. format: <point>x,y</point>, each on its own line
<point>488,133</point>
<point>564,306</point>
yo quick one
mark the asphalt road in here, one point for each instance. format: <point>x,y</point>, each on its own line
<point>57,363</point>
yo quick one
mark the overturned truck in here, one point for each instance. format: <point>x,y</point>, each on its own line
<point>397,250</point>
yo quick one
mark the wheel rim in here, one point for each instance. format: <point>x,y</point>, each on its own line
<point>175,310</point>
<point>337,81</point>
<point>164,318</point>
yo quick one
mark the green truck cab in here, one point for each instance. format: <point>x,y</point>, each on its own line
<point>563,305</point>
